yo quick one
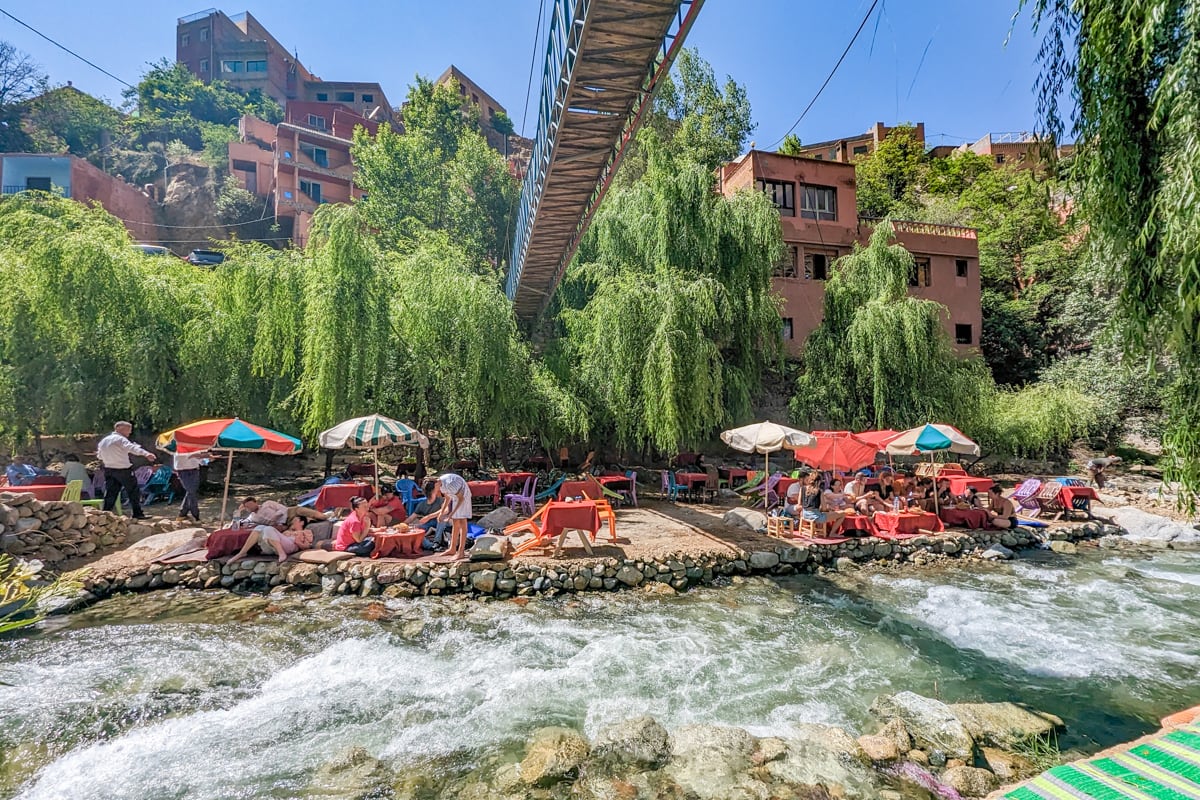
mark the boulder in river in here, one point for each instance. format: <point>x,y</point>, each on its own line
<point>969,781</point>
<point>1006,725</point>
<point>823,754</point>
<point>551,755</point>
<point>1145,528</point>
<point>641,743</point>
<point>354,774</point>
<point>710,762</point>
<point>931,724</point>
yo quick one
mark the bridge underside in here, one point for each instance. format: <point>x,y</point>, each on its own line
<point>614,52</point>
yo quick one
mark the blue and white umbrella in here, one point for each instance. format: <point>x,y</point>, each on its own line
<point>932,438</point>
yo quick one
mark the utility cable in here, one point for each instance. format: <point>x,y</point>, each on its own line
<point>66,49</point>
<point>537,37</point>
<point>829,77</point>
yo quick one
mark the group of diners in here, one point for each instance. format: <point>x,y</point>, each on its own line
<point>829,500</point>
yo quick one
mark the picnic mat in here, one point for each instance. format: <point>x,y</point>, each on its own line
<point>965,517</point>
<point>226,542</point>
<point>1165,768</point>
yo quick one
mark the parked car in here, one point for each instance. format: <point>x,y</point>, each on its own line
<point>151,249</point>
<point>205,258</point>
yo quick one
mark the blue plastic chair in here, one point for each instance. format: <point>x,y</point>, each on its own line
<point>551,491</point>
<point>670,489</point>
<point>409,494</point>
<point>159,487</point>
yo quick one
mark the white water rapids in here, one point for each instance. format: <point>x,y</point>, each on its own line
<point>203,696</point>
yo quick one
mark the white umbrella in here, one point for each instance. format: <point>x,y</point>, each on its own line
<point>372,433</point>
<point>932,438</point>
<point>766,438</point>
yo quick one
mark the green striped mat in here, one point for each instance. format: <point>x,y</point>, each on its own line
<point>1165,768</point>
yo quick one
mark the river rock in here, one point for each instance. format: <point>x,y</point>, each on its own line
<point>931,723</point>
<point>969,781</point>
<point>630,575</point>
<point>710,761</point>
<point>640,743</point>
<point>353,775</point>
<point>489,548</point>
<point>551,755</point>
<point>497,519</point>
<point>1006,725</point>
<point>763,559</point>
<point>1008,767</point>
<point>1063,547</point>
<point>880,749</point>
<point>823,754</point>
<point>1145,528</point>
<point>996,552</point>
<point>844,564</point>
<point>485,580</point>
<point>896,731</point>
<point>746,518</point>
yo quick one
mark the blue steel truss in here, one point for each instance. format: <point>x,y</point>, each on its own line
<point>604,59</point>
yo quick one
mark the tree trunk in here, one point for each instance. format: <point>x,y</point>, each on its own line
<point>328,463</point>
<point>453,446</point>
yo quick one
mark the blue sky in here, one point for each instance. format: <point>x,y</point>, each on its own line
<point>943,62</point>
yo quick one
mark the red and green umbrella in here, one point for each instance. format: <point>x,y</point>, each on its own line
<point>231,435</point>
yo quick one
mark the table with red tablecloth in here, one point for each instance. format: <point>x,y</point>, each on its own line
<point>857,522</point>
<point>561,517</point>
<point>734,475</point>
<point>226,542</point>
<point>614,483</point>
<point>960,483</point>
<point>42,491</point>
<point>339,495</point>
<point>905,523</point>
<point>1078,498</point>
<point>589,489</point>
<point>782,487</point>
<point>691,479</point>
<point>513,480</point>
<point>397,544</point>
<point>482,489</point>
<point>973,518</point>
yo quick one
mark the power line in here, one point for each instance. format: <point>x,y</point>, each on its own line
<point>66,49</point>
<point>537,37</point>
<point>829,77</point>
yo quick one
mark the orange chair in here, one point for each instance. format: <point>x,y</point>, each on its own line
<point>607,514</point>
<point>531,525</point>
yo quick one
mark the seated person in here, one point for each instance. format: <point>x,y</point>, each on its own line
<point>280,544</point>
<point>268,512</point>
<point>354,533</point>
<point>835,497</point>
<point>864,500</point>
<point>945,497</point>
<point>427,507</point>
<point>791,500</point>
<point>813,508</point>
<point>387,509</point>
<point>974,499</point>
<point>72,470</point>
<point>923,494</point>
<point>20,473</point>
<point>888,491</point>
<point>1003,513</point>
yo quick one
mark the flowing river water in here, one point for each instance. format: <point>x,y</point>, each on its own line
<point>207,696</point>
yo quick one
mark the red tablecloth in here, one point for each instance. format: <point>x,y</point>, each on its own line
<point>226,542</point>
<point>485,489</point>
<point>857,522</point>
<point>578,489</point>
<point>613,482</point>
<point>782,487</point>
<point>960,483</point>
<point>890,522</point>
<point>41,491</point>
<point>581,516</point>
<point>965,517</point>
<point>1072,494</point>
<point>338,495</point>
<point>691,479</point>
<point>733,474</point>
<point>514,480</point>
<point>388,545</point>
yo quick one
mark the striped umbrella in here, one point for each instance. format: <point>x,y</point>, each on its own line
<point>231,435</point>
<point>372,433</point>
<point>932,438</point>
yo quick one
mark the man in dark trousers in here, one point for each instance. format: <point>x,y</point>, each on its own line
<point>1096,467</point>
<point>114,451</point>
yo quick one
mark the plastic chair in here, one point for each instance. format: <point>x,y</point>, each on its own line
<point>158,486</point>
<point>99,503</point>
<point>73,492</point>
<point>525,499</point>
<point>1049,499</point>
<point>670,489</point>
<point>551,491</point>
<point>1025,497</point>
<point>630,494</point>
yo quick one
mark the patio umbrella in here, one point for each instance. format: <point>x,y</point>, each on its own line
<point>930,439</point>
<point>231,435</point>
<point>372,433</point>
<point>878,438</point>
<point>838,451</point>
<point>766,438</point>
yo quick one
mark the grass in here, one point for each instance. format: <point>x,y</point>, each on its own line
<point>1041,751</point>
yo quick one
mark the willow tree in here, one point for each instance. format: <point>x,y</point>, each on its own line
<point>1133,72</point>
<point>881,357</point>
<point>669,316</point>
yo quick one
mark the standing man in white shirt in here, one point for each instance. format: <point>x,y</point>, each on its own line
<point>114,451</point>
<point>187,467</point>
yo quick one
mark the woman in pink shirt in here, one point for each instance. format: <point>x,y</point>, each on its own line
<point>353,535</point>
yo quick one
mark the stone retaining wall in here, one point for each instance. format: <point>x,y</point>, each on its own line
<point>55,531</point>
<point>520,578</point>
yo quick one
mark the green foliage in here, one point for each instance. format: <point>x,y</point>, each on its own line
<point>791,145</point>
<point>437,110</point>
<point>21,592</point>
<point>888,178</point>
<point>669,316</point>
<point>1133,71</point>
<point>216,139</point>
<point>881,358</point>
<point>1039,421</point>
<point>67,120</point>
<point>502,123</point>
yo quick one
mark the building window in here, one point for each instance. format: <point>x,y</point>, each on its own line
<point>185,39</point>
<point>204,65</point>
<point>368,98</point>
<point>789,330</point>
<point>312,189</point>
<point>816,265</point>
<point>860,150</point>
<point>256,66</point>
<point>789,267</point>
<point>963,334</point>
<point>316,122</point>
<point>231,66</point>
<point>1000,159</point>
<point>38,184</point>
<point>322,97</point>
<point>919,276</point>
<point>204,34</point>
<point>818,202</point>
<point>475,99</point>
<point>344,97</point>
<point>782,194</point>
<point>491,112</point>
<point>960,267</point>
<point>833,153</point>
<point>318,155</point>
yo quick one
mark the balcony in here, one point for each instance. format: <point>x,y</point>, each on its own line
<point>925,228</point>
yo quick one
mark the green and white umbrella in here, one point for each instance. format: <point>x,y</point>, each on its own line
<point>372,433</point>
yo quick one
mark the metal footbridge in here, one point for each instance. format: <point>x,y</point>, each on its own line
<point>604,59</point>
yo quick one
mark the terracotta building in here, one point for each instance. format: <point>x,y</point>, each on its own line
<point>242,52</point>
<point>300,163</point>
<point>851,148</point>
<point>77,179</point>
<point>818,211</point>
<point>1019,149</point>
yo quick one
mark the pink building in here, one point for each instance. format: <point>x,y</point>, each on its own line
<point>818,211</point>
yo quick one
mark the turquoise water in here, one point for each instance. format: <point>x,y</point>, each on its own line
<point>207,696</point>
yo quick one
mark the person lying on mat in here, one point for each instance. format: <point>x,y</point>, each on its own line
<point>354,533</point>
<point>268,512</point>
<point>387,509</point>
<point>280,544</point>
<point>1003,512</point>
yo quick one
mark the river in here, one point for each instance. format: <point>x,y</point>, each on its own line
<point>202,695</point>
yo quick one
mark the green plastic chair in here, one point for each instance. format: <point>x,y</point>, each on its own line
<point>74,491</point>
<point>99,503</point>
